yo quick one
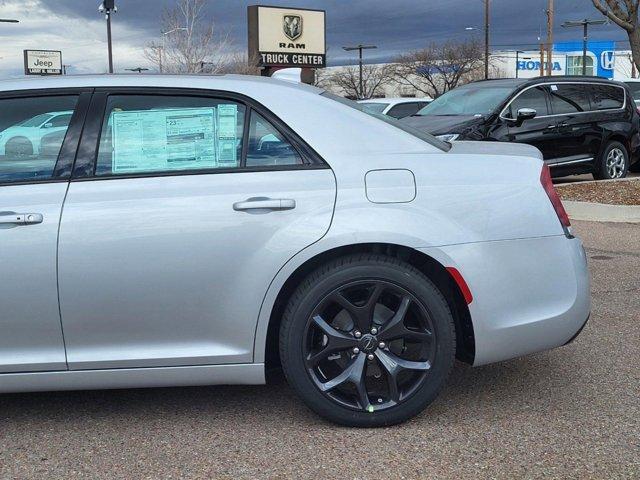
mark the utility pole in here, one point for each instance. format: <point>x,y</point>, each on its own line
<point>585,36</point>
<point>486,39</point>
<point>108,7</point>
<point>541,59</point>
<point>549,37</point>
<point>64,68</point>
<point>359,48</point>
<point>518,52</point>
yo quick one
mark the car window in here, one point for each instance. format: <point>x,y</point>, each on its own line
<point>471,99</point>
<point>161,134</point>
<point>374,107</point>
<point>28,152</point>
<point>634,87</point>
<point>569,98</point>
<point>267,146</point>
<point>605,97</point>
<point>534,97</point>
<point>405,109</point>
<point>59,121</point>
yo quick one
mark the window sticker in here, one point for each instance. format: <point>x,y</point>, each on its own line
<point>227,138</point>
<point>167,139</point>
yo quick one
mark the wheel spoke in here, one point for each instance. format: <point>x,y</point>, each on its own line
<point>394,364</point>
<point>395,327</point>
<point>355,373</point>
<point>337,342</point>
<point>362,316</point>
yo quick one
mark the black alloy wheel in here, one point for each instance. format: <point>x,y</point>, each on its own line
<point>374,348</point>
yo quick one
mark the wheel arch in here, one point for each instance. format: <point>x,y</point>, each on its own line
<point>434,270</point>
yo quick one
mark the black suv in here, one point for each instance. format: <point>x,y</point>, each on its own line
<point>580,124</point>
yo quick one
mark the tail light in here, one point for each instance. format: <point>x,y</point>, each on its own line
<point>547,184</point>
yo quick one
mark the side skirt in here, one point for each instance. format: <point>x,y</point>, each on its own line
<point>238,374</point>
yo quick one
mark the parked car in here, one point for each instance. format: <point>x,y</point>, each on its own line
<point>24,138</point>
<point>580,124</point>
<point>394,107</point>
<point>200,230</point>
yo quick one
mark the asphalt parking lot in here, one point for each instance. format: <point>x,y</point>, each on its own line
<point>569,413</point>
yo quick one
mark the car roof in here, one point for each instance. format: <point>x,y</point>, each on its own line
<point>395,100</point>
<point>524,82</point>
<point>210,82</point>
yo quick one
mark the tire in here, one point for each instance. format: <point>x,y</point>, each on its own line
<point>326,319</point>
<point>613,162</point>
<point>18,147</point>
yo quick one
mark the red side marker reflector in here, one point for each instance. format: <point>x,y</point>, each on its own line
<point>464,288</point>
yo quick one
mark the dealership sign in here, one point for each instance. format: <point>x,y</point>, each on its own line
<point>287,37</point>
<point>42,62</point>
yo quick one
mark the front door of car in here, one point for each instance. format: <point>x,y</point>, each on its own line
<point>33,184</point>
<point>579,133</point>
<point>540,131</point>
<point>169,242</point>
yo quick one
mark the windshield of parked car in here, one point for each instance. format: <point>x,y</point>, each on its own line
<point>474,99</point>
<point>425,137</point>
<point>36,121</point>
<point>374,107</point>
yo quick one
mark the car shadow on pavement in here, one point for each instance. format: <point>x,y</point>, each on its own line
<point>490,387</point>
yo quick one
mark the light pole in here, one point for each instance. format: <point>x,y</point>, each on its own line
<point>164,34</point>
<point>108,7</point>
<point>359,48</point>
<point>9,20</point>
<point>518,52</point>
<point>64,68</point>
<point>486,39</point>
<point>585,36</point>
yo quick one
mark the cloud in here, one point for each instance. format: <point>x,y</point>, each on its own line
<point>76,27</point>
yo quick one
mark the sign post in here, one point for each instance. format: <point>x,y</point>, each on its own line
<point>282,37</point>
<point>42,62</point>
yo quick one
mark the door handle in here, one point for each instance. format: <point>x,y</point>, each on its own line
<point>12,218</point>
<point>262,203</point>
<point>551,127</point>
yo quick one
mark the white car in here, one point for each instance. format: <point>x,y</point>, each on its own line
<point>399,107</point>
<point>24,138</point>
<point>199,230</point>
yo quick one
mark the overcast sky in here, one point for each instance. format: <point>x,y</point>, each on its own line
<point>76,27</point>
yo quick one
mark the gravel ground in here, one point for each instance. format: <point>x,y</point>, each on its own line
<point>569,413</point>
<point>614,192</point>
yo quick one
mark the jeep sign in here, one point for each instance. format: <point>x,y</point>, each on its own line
<point>42,62</point>
<point>286,37</point>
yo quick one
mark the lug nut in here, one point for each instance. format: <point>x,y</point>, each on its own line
<point>382,344</point>
<point>357,334</point>
<point>374,330</point>
<point>356,350</point>
<point>370,356</point>
<point>379,400</point>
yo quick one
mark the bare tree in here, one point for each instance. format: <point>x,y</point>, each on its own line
<point>438,68</point>
<point>190,42</point>
<point>348,79</point>
<point>624,13</point>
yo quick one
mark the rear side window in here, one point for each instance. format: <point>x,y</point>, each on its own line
<point>569,98</point>
<point>267,146</point>
<point>405,109</point>
<point>606,97</point>
<point>156,134</point>
<point>535,98</point>
<point>29,140</point>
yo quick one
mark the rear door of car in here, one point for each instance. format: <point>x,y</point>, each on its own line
<point>33,184</point>
<point>182,208</point>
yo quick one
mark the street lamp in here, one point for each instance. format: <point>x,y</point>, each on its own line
<point>9,20</point>
<point>359,48</point>
<point>137,69</point>
<point>108,7</point>
<point>585,36</point>
<point>518,52</point>
<point>163,44</point>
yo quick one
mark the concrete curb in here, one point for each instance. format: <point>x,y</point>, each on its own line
<point>600,212</point>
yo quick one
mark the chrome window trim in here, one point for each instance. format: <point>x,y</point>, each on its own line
<point>624,103</point>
